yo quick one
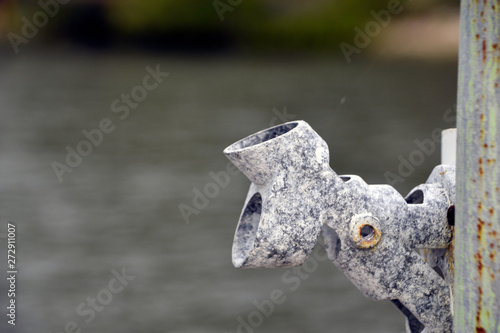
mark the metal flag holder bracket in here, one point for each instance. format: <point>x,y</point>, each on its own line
<point>371,232</point>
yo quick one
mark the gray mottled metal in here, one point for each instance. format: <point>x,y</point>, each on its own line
<point>370,231</point>
<point>280,223</point>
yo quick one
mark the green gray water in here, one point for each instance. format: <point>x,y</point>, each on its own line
<point>120,206</point>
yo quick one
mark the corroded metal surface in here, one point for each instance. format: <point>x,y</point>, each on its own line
<point>370,231</point>
<point>477,227</point>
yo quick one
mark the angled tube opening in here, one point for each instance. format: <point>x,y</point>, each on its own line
<point>261,137</point>
<point>247,230</point>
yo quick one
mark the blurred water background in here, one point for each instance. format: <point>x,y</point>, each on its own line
<point>119,208</point>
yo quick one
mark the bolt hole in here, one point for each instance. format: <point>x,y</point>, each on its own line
<point>367,231</point>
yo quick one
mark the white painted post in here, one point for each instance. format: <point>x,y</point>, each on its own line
<point>449,146</point>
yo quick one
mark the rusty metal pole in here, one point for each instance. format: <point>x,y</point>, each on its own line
<point>477,227</point>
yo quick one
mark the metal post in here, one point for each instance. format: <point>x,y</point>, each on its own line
<point>477,227</point>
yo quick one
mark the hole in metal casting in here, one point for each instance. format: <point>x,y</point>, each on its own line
<point>332,242</point>
<point>415,198</point>
<point>367,231</point>
<point>439,271</point>
<point>263,136</point>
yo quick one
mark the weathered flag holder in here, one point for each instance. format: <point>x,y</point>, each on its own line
<point>371,232</point>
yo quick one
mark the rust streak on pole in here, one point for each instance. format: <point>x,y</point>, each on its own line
<point>477,226</point>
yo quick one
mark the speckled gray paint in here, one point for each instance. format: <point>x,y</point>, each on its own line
<point>295,195</point>
<point>280,223</point>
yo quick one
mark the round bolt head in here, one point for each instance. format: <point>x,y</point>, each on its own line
<point>365,231</point>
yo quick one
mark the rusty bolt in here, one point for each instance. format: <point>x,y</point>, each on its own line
<point>365,231</point>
